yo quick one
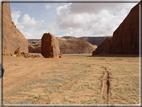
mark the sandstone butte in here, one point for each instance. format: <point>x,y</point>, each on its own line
<point>12,37</point>
<point>50,46</point>
<point>125,38</point>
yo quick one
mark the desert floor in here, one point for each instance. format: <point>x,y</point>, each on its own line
<point>73,79</point>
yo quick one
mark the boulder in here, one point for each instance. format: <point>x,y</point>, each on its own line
<point>125,38</point>
<point>50,46</point>
<point>17,51</point>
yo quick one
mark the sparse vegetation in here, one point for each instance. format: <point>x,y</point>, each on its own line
<point>72,79</point>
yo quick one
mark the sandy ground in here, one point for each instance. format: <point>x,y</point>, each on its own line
<point>73,79</point>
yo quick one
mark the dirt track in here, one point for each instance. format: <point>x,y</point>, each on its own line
<point>73,79</point>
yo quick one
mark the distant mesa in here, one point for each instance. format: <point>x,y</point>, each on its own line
<point>91,40</point>
<point>67,45</point>
<point>50,46</point>
<point>12,37</point>
<point>72,45</point>
<point>94,40</point>
<point>125,38</point>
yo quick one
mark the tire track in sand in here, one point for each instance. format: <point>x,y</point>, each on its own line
<point>105,87</point>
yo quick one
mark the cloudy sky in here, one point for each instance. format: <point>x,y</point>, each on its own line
<point>68,19</point>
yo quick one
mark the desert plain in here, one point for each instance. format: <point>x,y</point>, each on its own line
<point>72,79</point>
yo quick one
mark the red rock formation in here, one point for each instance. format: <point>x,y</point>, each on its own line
<point>125,38</point>
<point>12,37</point>
<point>34,49</point>
<point>34,46</point>
<point>50,46</point>
<point>104,47</point>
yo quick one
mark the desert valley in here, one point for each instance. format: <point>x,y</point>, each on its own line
<point>70,70</point>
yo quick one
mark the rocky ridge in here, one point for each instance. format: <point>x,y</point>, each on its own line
<point>93,40</point>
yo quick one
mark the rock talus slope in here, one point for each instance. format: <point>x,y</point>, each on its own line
<point>125,38</point>
<point>12,37</point>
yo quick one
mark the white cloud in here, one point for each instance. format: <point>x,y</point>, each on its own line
<point>32,33</point>
<point>35,33</point>
<point>28,21</point>
<point>75,19</point>
<point>52,28</point>
<point>68,20</point>
<point>47,6</point>
<point>76,33</point>
<point>15,15</point>
<point>91,18</point>
<point>33,26</point>
<point>19,26</point>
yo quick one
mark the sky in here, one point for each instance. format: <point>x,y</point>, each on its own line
<point>68,19</point>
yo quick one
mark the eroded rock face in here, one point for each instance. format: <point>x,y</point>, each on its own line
<point>12,37</point>
<point>104,47</point>
<point>50,46</point>
<point>125,38</point>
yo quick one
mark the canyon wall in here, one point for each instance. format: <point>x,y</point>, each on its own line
<point>125,38</point>
<point>12,37</point>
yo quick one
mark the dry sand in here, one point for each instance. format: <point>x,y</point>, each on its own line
<point>73,79</point>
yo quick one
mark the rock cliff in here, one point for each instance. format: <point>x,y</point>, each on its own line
<point>12,37</point>
<point>104,47</point>
<point>125,38</point>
